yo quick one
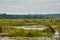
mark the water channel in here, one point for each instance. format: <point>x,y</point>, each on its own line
<point>55,37</point>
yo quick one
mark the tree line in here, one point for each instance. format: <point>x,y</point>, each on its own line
<point>38,16</point>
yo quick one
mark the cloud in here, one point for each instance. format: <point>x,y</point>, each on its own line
<point>13,6</point>
<point>29,6</point>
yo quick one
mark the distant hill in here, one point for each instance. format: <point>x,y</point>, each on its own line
<point>37,16</point>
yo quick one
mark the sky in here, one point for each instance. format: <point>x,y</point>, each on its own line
<point>29,6</point>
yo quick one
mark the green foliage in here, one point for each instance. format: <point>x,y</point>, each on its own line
<point>0,29</point>
<point>24,22</point>
<point>37,16</point>
<point>15,32</point>
<point>29,33</point>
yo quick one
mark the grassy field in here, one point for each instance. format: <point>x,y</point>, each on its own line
<point>4,23</point>
<point>22,22</point>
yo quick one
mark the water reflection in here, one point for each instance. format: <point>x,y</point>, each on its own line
<point>4,38</point>
<point>27,38</point>
<point>56,35</point>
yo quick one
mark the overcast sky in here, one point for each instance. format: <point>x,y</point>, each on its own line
<point>29,6</point>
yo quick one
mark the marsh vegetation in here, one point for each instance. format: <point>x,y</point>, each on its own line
<point>8,26</point>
